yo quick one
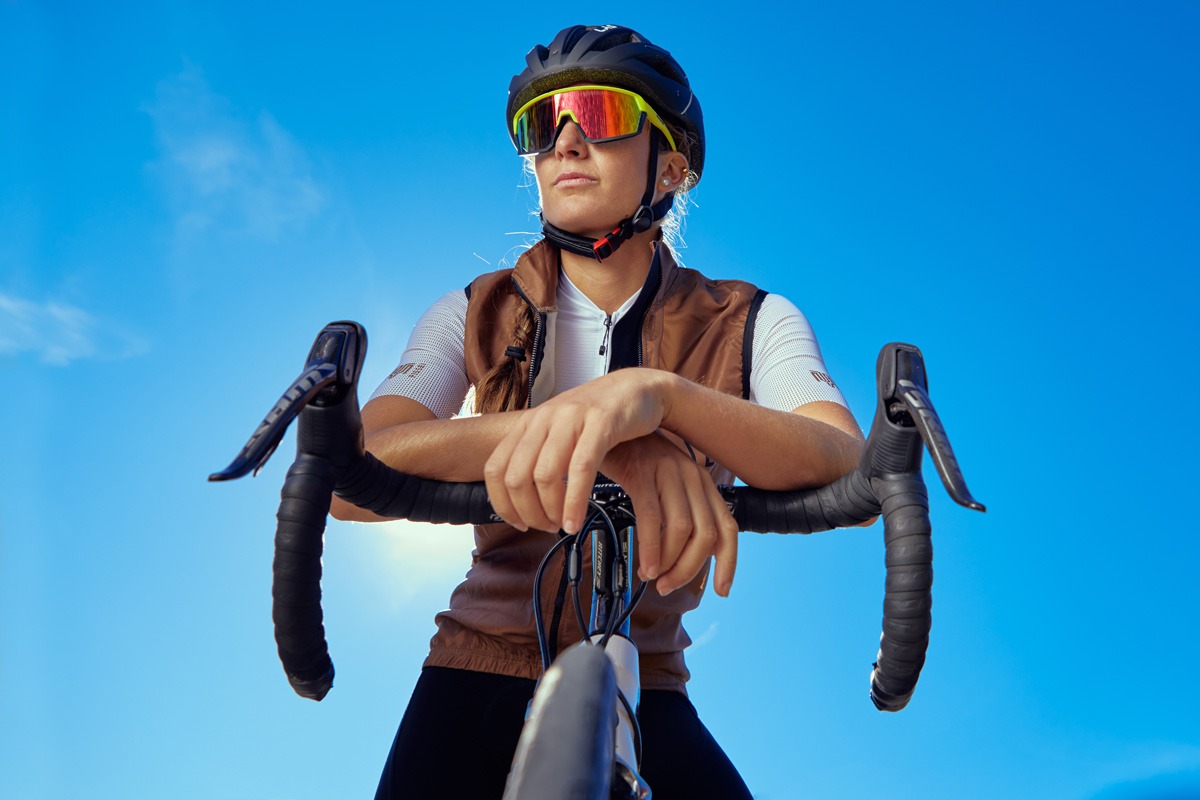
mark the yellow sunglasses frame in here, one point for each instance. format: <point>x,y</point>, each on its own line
<point>642,106</point>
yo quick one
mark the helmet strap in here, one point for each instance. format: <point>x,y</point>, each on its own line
<point>640,221</point>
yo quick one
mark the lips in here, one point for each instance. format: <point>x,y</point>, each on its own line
<point>573,179</point>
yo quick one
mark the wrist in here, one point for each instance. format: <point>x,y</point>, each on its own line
<point>669,388</point>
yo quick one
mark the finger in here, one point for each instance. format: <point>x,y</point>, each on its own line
<point>496,477</point>
<point>550,471</point>
<point>590,448</point>
<point>519,481</point>
<point>677,527</point>
<point>705,531</point>
<point>649,528</point>
<point>494,471</point>
<point>716,535</point>
<point>726,548</point>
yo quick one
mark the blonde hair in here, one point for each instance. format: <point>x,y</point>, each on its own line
<point>502,388</point>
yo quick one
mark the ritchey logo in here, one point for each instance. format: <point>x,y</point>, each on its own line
<point>821,376</point>
<point>411,370</point>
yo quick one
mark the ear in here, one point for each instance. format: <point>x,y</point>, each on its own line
<point>672,172</point>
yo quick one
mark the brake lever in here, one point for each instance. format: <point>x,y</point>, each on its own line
<point>330,375</point>
<point>908,403</point>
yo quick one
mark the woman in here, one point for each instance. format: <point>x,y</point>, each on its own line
<point>596,352</point>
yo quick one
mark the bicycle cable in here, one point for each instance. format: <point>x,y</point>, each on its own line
<point>628,612</point>
<point>615,621</point>
<point>538,618</point>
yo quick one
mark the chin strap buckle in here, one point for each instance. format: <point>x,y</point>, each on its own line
<point>605,246</point>
<point>640,222</point>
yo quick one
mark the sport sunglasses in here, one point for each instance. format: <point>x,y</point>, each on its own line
<point>603,113</point>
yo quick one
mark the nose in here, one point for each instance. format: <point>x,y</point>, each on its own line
<point>570,140</point>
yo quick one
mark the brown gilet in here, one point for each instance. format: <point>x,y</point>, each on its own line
<point>697,328</point>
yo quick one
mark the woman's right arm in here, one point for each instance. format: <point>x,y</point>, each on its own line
<point>409,423</point>
<point>407,436</point>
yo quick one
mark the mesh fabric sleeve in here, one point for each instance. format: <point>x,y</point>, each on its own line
<point>431,369</point>
<point>787,370</point>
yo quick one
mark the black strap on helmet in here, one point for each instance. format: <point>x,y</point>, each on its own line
<point>640,221</point>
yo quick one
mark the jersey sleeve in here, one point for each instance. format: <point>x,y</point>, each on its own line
<point>787,370</point>
<point>432,368</point>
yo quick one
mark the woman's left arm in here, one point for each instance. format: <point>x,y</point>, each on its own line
<point>813,445</point>
<point>569,435</point>
<point>572,435</point>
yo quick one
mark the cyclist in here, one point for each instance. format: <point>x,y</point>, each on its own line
<point>596,352</point>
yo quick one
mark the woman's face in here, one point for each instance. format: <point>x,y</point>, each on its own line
<point>588,188</point>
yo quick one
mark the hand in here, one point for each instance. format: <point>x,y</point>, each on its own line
<point>681,517</point>
<point>567,437</point>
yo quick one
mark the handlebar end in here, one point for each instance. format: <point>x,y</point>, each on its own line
<point>315,689</point>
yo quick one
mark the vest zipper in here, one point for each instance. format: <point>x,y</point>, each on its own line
<point>533,357</point>
<point>535,351</point>
<point>646,312</point>
<point>641,332</point>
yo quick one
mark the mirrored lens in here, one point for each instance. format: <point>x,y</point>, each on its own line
<point>601,115</point>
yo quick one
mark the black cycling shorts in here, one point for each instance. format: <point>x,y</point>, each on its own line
<point>459,733</point>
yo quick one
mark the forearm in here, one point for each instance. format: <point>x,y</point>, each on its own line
<point>448,450</point>
<point>766,448</point>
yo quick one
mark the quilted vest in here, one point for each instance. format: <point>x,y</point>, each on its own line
<point>684,323</point>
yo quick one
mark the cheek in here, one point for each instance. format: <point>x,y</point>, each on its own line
<point>630,166</point>
<point>536,167</point>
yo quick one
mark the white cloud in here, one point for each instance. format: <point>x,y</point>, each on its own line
<point>222,171</point>
<point>59,333</point>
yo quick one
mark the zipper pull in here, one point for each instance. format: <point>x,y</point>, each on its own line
<point>607,330</point>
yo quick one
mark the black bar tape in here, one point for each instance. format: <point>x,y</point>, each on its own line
<point>373,485</point>
<point>908,597</point>
<point>846,502</point>
<point>296,589</point>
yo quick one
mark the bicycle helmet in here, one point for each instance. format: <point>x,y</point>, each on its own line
<point>613,55</point>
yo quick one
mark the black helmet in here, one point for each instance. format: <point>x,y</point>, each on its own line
<point>613,55</point>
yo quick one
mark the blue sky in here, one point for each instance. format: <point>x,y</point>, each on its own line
<point>189,191</point>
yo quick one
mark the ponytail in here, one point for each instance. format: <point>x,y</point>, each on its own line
<point>503,388</point>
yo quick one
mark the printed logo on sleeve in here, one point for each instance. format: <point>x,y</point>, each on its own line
<point>411,370</point>
<point>821,376</point>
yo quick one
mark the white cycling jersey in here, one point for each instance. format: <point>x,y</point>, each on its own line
<point>787,369</point>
